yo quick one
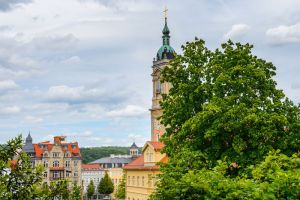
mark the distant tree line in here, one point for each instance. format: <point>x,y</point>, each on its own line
<point>93,153</point>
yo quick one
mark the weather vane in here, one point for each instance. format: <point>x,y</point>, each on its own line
<point>166,12</point>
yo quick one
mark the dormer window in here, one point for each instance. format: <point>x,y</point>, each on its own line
<point>55,154</point>
<point>45,154</point>
<point>67,154</point>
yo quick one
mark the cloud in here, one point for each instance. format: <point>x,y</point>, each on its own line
<point>6,5</point>
<point>32,120</point>
<point>9,110</point>
<point>284,34</point>
<point>84,94</point>
<point>8,85</point>
<point>71,60</point>
<point>54,42</point>
<point>237,31</point>
<point>128,111</point>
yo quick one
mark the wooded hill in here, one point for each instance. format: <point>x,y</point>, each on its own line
<point>93,153</point>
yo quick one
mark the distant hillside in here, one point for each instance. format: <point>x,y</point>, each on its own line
<point>94,153</point>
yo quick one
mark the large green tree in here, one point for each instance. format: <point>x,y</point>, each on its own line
<point>18,179</point>
<point>90,189</point>
<point>106,185</point>
<point>224,117</point>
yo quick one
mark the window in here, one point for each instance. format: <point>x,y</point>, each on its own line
<point>158,86</point>
<point>55,154</point>
<point>138,181</point>
<point>55,174</point>
<point>67,154</point>
<point>67,174</point>
<point>133,181</point>
<point>150,183</point>
<point>149,157</point>
<point>56,163</point>
<point>45,154</point>
<point>45,163</point>
<point>75,163</point>
<point>143,180</point>
<point>75,173</point>
<point>67,163</point>
<point>45,174</point>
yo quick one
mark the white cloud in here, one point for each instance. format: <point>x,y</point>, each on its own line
<point>10,110</point>
<point>7,85</point>
<point>128,111</point>
<point>72,60</point>
<point>237,31</point>
<point>32,120</point>
<point>284,34</point>
<point>64,93</point>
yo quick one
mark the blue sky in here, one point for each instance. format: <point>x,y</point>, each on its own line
<point>81,68</point>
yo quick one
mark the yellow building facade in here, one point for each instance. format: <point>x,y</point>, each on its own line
<point>141,174</point>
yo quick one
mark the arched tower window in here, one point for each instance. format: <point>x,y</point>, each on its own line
<point>158,87</point>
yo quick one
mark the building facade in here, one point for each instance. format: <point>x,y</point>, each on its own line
<point>91,172</point>
<point>141,174</point>
<point>114,164</point>
<point>61,159</point>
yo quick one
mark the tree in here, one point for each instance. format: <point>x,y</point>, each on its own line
<point>90,189</point>
<point>224,118</point>
<point>121,188</point>
<point>17,176</point>
<point>106,185</point>
<point>76,192</point>
<point>59,189</point>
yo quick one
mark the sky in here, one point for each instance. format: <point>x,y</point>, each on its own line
<point>81,68</point>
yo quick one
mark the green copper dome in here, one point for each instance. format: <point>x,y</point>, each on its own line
<point>165,51</point>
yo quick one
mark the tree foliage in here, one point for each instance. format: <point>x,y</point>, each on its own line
<point>92,153</point>
<point>224,117</point>
<point>91,189</point>
<point>121,188</point>
<point>17,177</point>
<point>106,185</point>
<point>76,192</point>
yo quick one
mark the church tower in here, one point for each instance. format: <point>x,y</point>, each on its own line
<point>163,56</point>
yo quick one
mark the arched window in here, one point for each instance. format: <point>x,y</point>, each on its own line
<point>158,86</point>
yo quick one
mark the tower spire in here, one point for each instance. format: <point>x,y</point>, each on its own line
<point>165,51</point>
<point>166,31</point>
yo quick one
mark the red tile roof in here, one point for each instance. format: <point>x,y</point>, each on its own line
<point>40,148</point>
<point>157,145</point>
<point>138,163</point>
<point>91,167</point>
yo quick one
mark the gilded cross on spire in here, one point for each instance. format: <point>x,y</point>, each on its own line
<point>166,12</point>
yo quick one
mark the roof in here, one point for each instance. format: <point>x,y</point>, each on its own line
<point>90,167</point>
<point>139,163</point>
<point>157,146</point>
<point>28,147</point>
<point>73,148</point>
<point>112,160</point>
<point>165,51</point>
<point>134,146</point>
